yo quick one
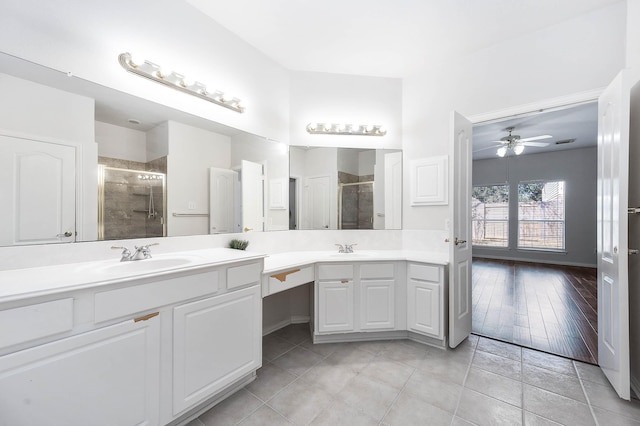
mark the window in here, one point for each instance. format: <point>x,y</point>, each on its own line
<point>490,215</point>
<point>541,215</point>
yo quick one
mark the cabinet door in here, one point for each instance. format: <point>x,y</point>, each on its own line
<point>335,306</point>
<point>377,304</point>
<point>105,377</point>
<point>216,341</point>
<point>423,307</point>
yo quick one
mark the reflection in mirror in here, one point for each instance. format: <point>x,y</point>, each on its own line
<point>345,188</point>
<point>85,126</point>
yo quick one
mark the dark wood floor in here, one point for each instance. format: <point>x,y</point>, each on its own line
<point>546,307</point>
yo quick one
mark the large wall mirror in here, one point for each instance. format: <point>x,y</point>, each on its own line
<point>160,172</point>
<point>345,188</point>
<point>80,162</point>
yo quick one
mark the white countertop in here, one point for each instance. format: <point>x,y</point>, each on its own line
<point>39,281</point>
<point>280,261</point>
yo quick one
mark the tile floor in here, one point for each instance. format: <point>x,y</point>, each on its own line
<point>482,382</point>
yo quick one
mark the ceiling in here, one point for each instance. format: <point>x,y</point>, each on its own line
<point>578,122</point>
<point>383,37</point>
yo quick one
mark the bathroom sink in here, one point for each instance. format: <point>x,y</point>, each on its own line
<point>148,265</point>
<point>350,255</point>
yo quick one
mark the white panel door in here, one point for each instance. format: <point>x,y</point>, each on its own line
<point>252,196</point>
<point>393,190</point>
<point>105,377</point>
<point>335,306</point>
<point>38,192</point>
<point>377,304</point>
<point>222,190</point>
<point>317,202</point>
<point>216,341</point>
<point>612,201</point>
<point>423,307</point>
<point>460,236</point>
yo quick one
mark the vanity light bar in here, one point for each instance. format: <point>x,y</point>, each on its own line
<point>346,129</point>
<point>176,81</point>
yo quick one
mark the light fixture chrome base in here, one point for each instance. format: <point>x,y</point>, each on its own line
<point>174,80</point>
<point>345,129</point>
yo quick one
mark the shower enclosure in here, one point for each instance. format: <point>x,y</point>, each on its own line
<point>355,205</point>
<point>131,203</point>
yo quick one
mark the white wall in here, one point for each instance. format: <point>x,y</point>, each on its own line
<point>121,142</point>
<point>577,167</point>
<point>348,99</point>
<point>192,152</point>
<point>158,142</point>
<point>35,111</point>
<point>578,55</point>
<point>85,38</point>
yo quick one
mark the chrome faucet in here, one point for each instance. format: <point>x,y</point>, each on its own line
<point>347,248</point>
<point>142,252</point>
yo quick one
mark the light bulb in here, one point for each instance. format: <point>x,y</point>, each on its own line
<point>328,127</point>
<point>518,149</point>
<point>502,151</point>
<point>341,127</point>
<point>312,126</point>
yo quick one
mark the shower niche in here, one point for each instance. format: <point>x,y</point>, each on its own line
<point>131,202</point>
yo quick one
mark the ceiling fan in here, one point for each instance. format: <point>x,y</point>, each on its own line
<point>517,144</point>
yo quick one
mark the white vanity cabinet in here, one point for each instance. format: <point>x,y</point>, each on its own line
<point>109,376</point>
<point>150,350</point>
<point>359,296</point>
<point>377,296</point>
<point>335,297</point>
<point>215,342</point>
<point>425,299</point>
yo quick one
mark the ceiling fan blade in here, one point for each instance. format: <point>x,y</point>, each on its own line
<point>539,144</point>
<point>536,138</point>
<point>487,147</point>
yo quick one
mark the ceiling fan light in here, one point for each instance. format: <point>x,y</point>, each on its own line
<point>502,151</point>
<point>518,149</point>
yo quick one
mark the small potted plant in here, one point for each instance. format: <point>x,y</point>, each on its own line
<point>238,244</point>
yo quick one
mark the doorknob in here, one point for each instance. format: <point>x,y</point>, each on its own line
<point>457,241</point>
<point>634,251</point>
<point>66,234</point>
<point>247,229</point>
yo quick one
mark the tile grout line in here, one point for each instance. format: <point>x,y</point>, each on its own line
<point>584,391</point>
<point>464,381</point>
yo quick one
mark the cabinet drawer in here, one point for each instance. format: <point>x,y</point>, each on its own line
<point>424,272</point>
<point>130,300</point>
<point>335,272</point>
<point>32,322</point>
<point>376,270</point>
<point>239,276</point>
<point>285,280</point>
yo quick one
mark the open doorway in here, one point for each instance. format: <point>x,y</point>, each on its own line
<point>534,231</point>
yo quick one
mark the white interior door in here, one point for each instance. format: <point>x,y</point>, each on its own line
<point>393,190</point>
<point>38,192</point>
<point>612,201</point>
<point>252,196</point>
<point>222,190</point>
<point>317,202</point>
<point>460,235</point>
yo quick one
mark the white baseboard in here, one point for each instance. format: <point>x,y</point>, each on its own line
<point>529,260</point>
<point>297,319</point>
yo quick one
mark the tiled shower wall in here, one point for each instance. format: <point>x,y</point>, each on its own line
<point>126,199</point>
